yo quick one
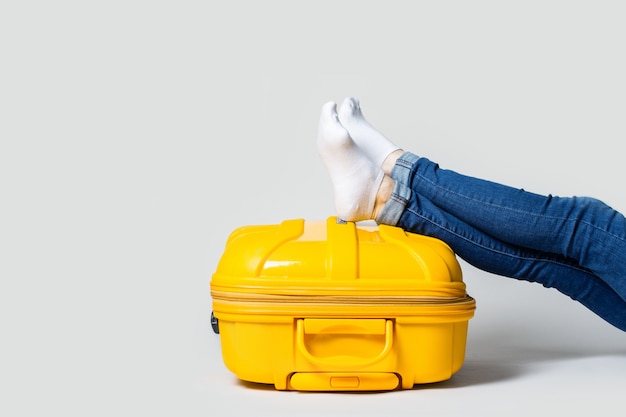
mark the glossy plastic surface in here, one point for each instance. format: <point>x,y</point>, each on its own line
<point>335,307</point>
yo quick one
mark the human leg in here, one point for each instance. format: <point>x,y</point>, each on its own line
<point>581,228</point>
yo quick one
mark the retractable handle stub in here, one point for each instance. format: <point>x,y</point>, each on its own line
<point>343,250</point>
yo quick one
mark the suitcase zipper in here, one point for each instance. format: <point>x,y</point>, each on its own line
<point>322,300</point>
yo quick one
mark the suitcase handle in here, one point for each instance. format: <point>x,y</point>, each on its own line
<point>344,361</point>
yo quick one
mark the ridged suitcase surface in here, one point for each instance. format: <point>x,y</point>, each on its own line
<point>331,306</point>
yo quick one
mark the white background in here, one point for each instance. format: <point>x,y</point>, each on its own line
<point>136,135</point>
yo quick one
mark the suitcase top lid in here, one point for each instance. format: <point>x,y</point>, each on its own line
<point>322,258</point>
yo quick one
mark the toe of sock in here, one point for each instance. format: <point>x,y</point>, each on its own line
<point>349,107</point>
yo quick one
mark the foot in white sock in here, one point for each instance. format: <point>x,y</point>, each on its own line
<point>375,145</point>
<point>355,178</point>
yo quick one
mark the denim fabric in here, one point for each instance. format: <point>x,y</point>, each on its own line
<point>576,245</point>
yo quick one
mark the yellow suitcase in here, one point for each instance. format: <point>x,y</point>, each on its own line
<point>332,306</point>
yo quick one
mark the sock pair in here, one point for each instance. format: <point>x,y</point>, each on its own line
<point>353,152</point>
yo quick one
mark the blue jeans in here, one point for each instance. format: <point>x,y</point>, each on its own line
<point>576,245</point>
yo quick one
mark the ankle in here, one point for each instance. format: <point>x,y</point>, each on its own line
<point>383,195</point>
<point>390,161</point>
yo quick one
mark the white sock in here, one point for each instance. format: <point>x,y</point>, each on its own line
<point>375,145</point>
<point>355,178</point>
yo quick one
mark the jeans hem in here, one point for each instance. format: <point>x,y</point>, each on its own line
<point>401,171</point>
<point>393,209</point>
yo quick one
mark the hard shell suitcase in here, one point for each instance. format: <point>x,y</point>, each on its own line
<point>332,306</point>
